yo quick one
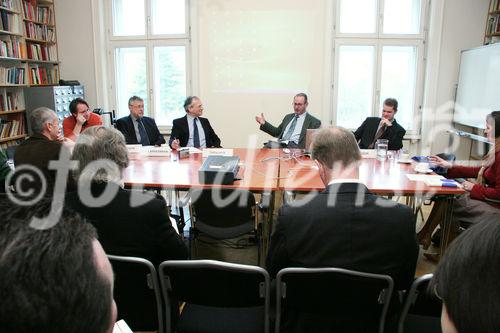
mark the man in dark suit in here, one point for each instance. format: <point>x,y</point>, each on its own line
<point>137,128</point>
<point>45,144</point>
<point>128,223</point>
<point>344,226</point>
<point>386,127</point>
<point>294,126</point>
<point>192,130</point>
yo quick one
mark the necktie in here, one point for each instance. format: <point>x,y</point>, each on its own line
<point>142,132</point>
<point>291,129</point>
<point>378,135</point>
<point>196,135</point>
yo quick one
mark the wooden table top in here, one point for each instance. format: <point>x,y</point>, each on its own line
<point>271,169</point>
<point>381,177</point>
<point>258,171</point>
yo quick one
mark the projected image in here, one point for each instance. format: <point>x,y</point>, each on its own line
<point>254,51</point>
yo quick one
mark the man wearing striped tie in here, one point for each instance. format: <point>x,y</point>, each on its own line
<point>292,130</point>
<point>385,127</point>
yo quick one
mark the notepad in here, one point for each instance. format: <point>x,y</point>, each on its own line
<point>441,182</point>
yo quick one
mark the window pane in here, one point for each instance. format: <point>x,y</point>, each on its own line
<point>128,18</point>
<point>399,72</point>
<point>355,84</point>
<point>130,77</point>
<point>402,16</point>
<point>169,83</point>
<point>169,17</point>
<point>358,16</point>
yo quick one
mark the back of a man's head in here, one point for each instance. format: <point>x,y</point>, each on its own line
<point>39,117</point>
<point>49,279</point>
<point>335,146</point>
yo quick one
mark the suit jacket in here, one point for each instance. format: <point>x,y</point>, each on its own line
<point>309,123</point>
<point>366,133</point>
<point>180,131</point>
<point>37,151</point>
<point>375,236</point>
<point>126,126</point>
<point>124,229</point>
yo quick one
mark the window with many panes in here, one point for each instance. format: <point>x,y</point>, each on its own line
<point>149,48</point>
<point>379,53</point>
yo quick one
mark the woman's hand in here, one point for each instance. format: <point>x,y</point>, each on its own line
<point>467,186</point>
<point>436,160</point>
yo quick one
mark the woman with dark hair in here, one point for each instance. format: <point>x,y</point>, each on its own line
<point>483,196</point>
<point>466,280</point>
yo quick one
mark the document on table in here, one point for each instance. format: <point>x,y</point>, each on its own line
<point>423,177</point>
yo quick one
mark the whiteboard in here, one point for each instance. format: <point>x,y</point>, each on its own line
<point>478,90</point>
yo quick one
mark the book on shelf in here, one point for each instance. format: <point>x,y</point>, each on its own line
<point>7,144</point>
<point>28,10</point>
<point>43,75</point>
<point>12,47</point>
<point>45,15</point>
<point>13,126</point>
<point>9,4</point>
<point>12,75</point>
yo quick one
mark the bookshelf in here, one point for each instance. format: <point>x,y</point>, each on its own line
<point>28,58</point>
<point>492,31</point>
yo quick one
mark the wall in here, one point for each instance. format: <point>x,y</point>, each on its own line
<point>455,25</point>
<point>75,44</point>
<point>254,56</point>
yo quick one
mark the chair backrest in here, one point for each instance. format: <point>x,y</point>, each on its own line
<point>214,283</point>
<point>335,292</point>
<point>420,301</point>
<point>137,293</point>
<point>223,207</point>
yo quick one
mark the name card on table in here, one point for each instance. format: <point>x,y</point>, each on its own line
<point>149,150</point>
<point>217,152</point>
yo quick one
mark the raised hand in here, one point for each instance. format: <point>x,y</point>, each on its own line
<point>260,119</point>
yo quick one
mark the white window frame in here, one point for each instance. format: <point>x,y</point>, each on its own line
<point>379,40</point>
<point>149,42</point>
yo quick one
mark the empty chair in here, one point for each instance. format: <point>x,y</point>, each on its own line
<point>331,300</point>
<point>422,309</point>
<point>225,213</point>
<point>219,297</point>
<point>137,293</point>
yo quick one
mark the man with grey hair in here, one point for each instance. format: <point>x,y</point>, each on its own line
<point>34,154</point>
<point>193,130</point>
<point>137,128</point>
<point>128,222</point>
<point>345,226</point>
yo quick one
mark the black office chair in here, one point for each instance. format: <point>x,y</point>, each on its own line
<point>338,299</point>
<point>137,293</point>
<point>421,310</point>
<point>219,297</point>
<point>224,214</point>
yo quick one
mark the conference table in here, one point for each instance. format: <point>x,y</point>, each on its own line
<point>273,172</point>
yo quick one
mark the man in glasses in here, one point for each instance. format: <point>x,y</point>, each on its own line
<point>385,127</point>
<point>81,117</point>
<point>137,128</point>
<point>292,130</point>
